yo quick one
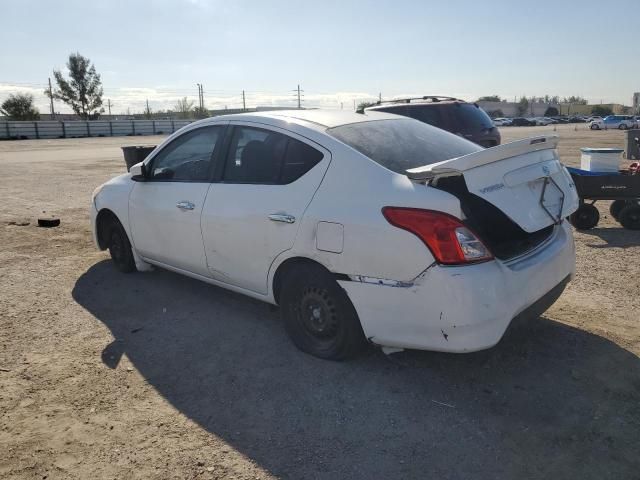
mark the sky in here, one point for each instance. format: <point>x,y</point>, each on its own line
<point>337,51</point>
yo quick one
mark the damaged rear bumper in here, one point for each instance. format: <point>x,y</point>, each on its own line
<point>464,309</point>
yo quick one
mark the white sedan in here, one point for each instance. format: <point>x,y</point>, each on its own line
<point>361,227</point>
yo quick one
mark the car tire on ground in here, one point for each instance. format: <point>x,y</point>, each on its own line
<point>594,127</point>
<point>630,217</point>
<point>586,217</point>
<point>120,248</point>
<point>318,316</point>
<point>616,207</point>
<point>622,126</point>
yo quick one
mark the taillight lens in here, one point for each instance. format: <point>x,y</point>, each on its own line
<point>448,239</point>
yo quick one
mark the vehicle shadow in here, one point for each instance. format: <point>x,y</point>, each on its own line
<point>550,401</point>
<point>615,237</point>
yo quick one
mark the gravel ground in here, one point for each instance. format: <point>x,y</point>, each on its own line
<point>104,375</point>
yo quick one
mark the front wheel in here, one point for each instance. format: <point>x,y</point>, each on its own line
<point>622,126</point>
<point>630,217</point>
<point>120,248</point>
<point>594,127</point>
<point>586,217</point>
<point>318,316</point>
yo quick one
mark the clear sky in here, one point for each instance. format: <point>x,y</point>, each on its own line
<point>337,51</point>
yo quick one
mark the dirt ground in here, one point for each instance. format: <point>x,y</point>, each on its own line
<point>105,375</point>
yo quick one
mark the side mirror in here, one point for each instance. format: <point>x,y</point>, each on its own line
<point>138,172</point>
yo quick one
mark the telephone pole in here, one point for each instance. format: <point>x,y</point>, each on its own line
<point>109,106</point>
<point>53,113</point>
<point>200,96</point>
<point>380,97</point>
<point>244,102</point>
<point>299,95</point>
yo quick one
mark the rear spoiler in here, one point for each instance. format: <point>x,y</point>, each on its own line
<point>455,166</point>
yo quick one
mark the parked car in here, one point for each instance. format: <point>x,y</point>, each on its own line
<point>451,114</point>
<point>361,227</point>
<point>622,122</point>
<point>542,121</point>
<point>501,122</point>
<point>522,122</point>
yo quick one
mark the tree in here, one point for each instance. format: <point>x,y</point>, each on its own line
<point>551,112</point>
<point>184,107</point>
<point>523,105</point>
<point>20,107</point>
<point>575,99</point>
<point>363,105</point>
<point>601,111</point>
<point>495,113</point>
<point>201,112</point>
<point>148,114</point>
<point>490,98</point>
<point>83,91</point>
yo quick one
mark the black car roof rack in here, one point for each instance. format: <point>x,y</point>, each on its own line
<point>426,98</point>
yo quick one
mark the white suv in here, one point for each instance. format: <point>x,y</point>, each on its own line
<point>361,227</point>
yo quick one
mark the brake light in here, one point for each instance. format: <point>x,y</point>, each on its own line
<point>450,242</point>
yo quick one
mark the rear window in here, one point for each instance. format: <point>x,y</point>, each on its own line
<point>431,114</point>
<point>470,118</point>
<point>402,144</point>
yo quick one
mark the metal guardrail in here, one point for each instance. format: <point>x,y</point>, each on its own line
<point>11,130</point>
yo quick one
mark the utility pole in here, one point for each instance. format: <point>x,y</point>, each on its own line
<point>199,95</point>
<point>299,100</point>
<point>109,106</point>
<point>380,97</point>
<point>354,104</point>
<point>244,102</point>
<point>53,113</point>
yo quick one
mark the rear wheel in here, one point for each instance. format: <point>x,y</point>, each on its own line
<point>120,248</point>
<point>586,217</point>
<point>318,315</point>
<point>630,217</point>
<point>594,127</point>
<point>616,207</point>
<point>622,126</point>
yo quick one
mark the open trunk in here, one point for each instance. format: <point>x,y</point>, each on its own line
<point>511,195</point>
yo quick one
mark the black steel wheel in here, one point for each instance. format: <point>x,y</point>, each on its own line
<point>616,207</point>
<point>630,217</point>
<point>586,217</point>
<point>318,316</point>
<point>120,248</point>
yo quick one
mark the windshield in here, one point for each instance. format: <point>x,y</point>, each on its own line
<point>402,144</point>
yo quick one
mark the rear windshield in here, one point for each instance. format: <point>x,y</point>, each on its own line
<point>470,118</point>
<point>402,144</point>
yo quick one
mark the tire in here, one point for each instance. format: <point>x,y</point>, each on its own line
<point>616,207</point>
<point>120,248</point>
<point>585,218</point>
<point>622,126</point>
<point>318,316</point>
<point>594,127</point>
<point>630,217</point>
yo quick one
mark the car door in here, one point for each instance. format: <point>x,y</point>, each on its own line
<point>253,212</point>
<point>165,209</point>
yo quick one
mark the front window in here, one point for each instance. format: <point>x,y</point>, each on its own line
<point>402,144</point>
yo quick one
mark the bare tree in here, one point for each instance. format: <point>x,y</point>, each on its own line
<point>184,107</point>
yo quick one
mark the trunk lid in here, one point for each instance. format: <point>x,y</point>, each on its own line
<point>524,179</point>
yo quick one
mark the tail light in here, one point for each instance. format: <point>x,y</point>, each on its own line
<point>450,242</point>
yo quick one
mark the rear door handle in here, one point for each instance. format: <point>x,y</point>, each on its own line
<point>282,217</point>
<point>185,205</point>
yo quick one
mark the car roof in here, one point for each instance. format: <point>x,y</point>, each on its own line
<point>320,118</point>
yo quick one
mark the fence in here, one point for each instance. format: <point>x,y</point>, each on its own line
<point>95,128</point>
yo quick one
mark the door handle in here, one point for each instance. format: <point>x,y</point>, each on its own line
<point>282,217</point>
<point>185,205</point>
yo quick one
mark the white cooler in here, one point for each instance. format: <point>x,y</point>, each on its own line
<point>601,159</point>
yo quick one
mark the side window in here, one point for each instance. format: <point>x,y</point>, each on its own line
<point>188,158</point>
<point>266,157</point>
<point>431,114</point>
<point>299,159</point>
